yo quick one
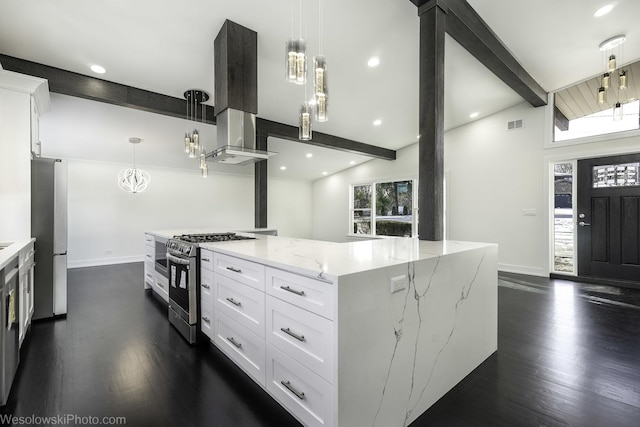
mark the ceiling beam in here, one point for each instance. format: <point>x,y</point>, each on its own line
<point>81,86</point>
<point>290,133</point>
<point>465,26</point>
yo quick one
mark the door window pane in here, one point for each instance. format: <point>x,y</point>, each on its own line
<point>621,175</point>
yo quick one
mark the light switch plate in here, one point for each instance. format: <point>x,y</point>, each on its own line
<point>398,283</point>
<point>529,212</point>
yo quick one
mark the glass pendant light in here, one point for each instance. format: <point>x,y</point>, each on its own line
<point>203,163</point>
<point>617,112</point>
<point>612,63</point>
<point>320,87</point>
<point>623,79</point>
<point>195,99</point>
<point>296,54</point>
<point>304,129</point>
<point>606,79</point>
<point>601,96</point>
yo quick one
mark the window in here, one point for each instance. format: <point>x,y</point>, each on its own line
<point>389,213</point>
<point>563,229</point>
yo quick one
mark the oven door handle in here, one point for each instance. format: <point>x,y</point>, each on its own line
<point>178,260</point>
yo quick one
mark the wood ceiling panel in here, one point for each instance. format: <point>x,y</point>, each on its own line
<point>581,99</point>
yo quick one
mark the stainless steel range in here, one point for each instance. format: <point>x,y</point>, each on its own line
<point>183,267</point>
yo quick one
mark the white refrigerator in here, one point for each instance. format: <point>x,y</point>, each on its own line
<point>49,227</point>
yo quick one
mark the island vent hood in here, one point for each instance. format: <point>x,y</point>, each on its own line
<point>236,95</point>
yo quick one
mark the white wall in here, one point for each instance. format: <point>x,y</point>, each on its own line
<point>106,224</point>
<point>492,176</point>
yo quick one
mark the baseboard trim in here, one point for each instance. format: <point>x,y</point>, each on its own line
<point>522,269</point>
<point>103,261</point>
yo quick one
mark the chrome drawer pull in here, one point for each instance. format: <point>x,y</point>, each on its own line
<point>287,384</point>
<point>293,334</point>
<point>234,302</point>
<point>205,259</point>
<point>204,285</point>
<point>234,342</point>
<point>206,319</point>
<point>235,270</point>
<point>293,291</point>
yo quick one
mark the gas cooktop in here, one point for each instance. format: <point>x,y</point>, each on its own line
<point>211,237</point>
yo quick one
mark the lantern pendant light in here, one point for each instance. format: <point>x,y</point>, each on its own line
<point>606,80</point>
<point>612,63</point>
<point>602,97</point>
<point>320,73</point>
<point>617,112</point>
<point>195,99</point>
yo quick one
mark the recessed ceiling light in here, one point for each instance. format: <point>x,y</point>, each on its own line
<point>98,69</point>
<point>474,115</point>
<point>373,62</point>
<point>604,10</point>
<point>325,173</point>
<point>352,162</point>
<point>309,155</point>
<point>377,122</point>
<point>283,168</point>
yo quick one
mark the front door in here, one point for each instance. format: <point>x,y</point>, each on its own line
<point>609,218</point>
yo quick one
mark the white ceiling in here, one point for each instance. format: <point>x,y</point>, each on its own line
<point>167,47</point>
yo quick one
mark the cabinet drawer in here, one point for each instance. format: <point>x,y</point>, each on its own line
<point>310,294</point>
<point>161,286</point>
<point>206,285</point>
<point>149,254</point>
<point>304,394</point>
<point>206,259</point>
<point>241,303</point>
<point>149,274</point>
<point>247,272</point>
<point>149,239</point>
<point>246,349</point>
<point>206,320</point>
<point>304,336</point>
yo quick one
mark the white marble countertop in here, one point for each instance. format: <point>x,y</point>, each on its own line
<point>329,260</point>
<point>11,250</point>
<point>169,233</point>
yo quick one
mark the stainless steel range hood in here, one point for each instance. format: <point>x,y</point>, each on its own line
<point>236,95</point>
<point>237,139</point>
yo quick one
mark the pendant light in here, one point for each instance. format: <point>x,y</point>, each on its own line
<point>320,74</point>
<point>133,180</point>
<point>195,99</point>
<point>296,54</point>
<point>610,58</point>
<point>304,128</point>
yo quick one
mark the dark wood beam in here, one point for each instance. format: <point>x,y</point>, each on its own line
<point>469,29</point>
<point>431,125</point>
<point>283,131</point>
<point>260,184</point>
<point>81,86</point>
<point>560,120</point>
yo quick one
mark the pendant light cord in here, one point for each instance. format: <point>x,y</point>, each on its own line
<point>320,25</point>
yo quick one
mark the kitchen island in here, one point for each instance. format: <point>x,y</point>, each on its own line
<point>368,333</point>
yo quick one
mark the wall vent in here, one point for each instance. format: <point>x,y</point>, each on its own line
<point>515,124</point>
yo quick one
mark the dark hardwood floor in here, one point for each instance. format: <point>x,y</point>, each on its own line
<point>568,355</point>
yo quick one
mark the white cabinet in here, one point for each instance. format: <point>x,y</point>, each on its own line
<point>207,320</point>
<point>278,327</point>
<point>153,279</point>
<point>22,99</point>
<point>25,288</point>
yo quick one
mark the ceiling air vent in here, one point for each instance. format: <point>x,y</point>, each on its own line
<point>515,124</point>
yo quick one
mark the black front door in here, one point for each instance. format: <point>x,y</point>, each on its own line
<point>609,218</point>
